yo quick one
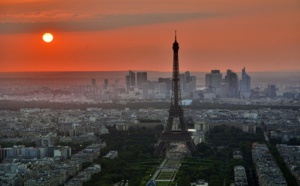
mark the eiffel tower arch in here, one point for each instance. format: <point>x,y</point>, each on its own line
<point>175,112</point>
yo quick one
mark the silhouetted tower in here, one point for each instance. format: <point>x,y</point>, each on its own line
<point>176,111</point>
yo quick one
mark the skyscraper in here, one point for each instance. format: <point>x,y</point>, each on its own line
<point>192,85</point>
<point>184,80</point>
<point>213,82</point>
<point>130,80</point>
<point>232,81</point>
<point>213,79</point>
<point>141,77</point>
<point>187,83</point>
<point>245,84</point>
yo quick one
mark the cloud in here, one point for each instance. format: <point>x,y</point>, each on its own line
<point>38,15</point>
<point>99,22</point>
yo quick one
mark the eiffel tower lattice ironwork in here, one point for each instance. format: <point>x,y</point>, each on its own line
<point>176,111</point>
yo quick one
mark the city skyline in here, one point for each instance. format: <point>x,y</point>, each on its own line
<point>117,36</point>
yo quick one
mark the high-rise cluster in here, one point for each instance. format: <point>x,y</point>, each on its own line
<point>230,86</point>
<point>137,83</point>
<point>131,81</point>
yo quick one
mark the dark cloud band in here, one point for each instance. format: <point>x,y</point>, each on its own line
<point>101,23</point>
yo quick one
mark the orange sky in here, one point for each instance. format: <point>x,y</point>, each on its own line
<point>105,35</point>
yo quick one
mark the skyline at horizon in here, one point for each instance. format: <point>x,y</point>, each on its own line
<point>133,35</point>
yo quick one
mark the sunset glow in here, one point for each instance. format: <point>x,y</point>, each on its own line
<point>47,37</point>
<point>100,35</point>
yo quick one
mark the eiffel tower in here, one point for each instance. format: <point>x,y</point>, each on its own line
<point>176,111</point>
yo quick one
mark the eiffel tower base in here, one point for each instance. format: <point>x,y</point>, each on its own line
<point>174,136</point>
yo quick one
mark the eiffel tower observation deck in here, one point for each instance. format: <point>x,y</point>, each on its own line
<point>175,113</point>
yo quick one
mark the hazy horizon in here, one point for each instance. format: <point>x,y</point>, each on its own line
<point>85,77</point>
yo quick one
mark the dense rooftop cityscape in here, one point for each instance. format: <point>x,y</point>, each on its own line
<point>45,127</point>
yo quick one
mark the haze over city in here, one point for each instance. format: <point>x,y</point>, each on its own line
<point>95,35</point>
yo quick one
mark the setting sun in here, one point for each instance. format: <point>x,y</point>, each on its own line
<point>47,37</point>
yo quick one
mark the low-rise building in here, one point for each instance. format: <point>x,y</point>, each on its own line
<point>266,168</point>
<point>240,177</point>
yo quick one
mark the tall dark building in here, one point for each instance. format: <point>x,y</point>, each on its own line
<point>245,84</point>
<point>130,80</point>
<point>141,77</point>
<point>176,112</point>
<point>214,79</point>
<point>232,81</point>
<point>213,82</point>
